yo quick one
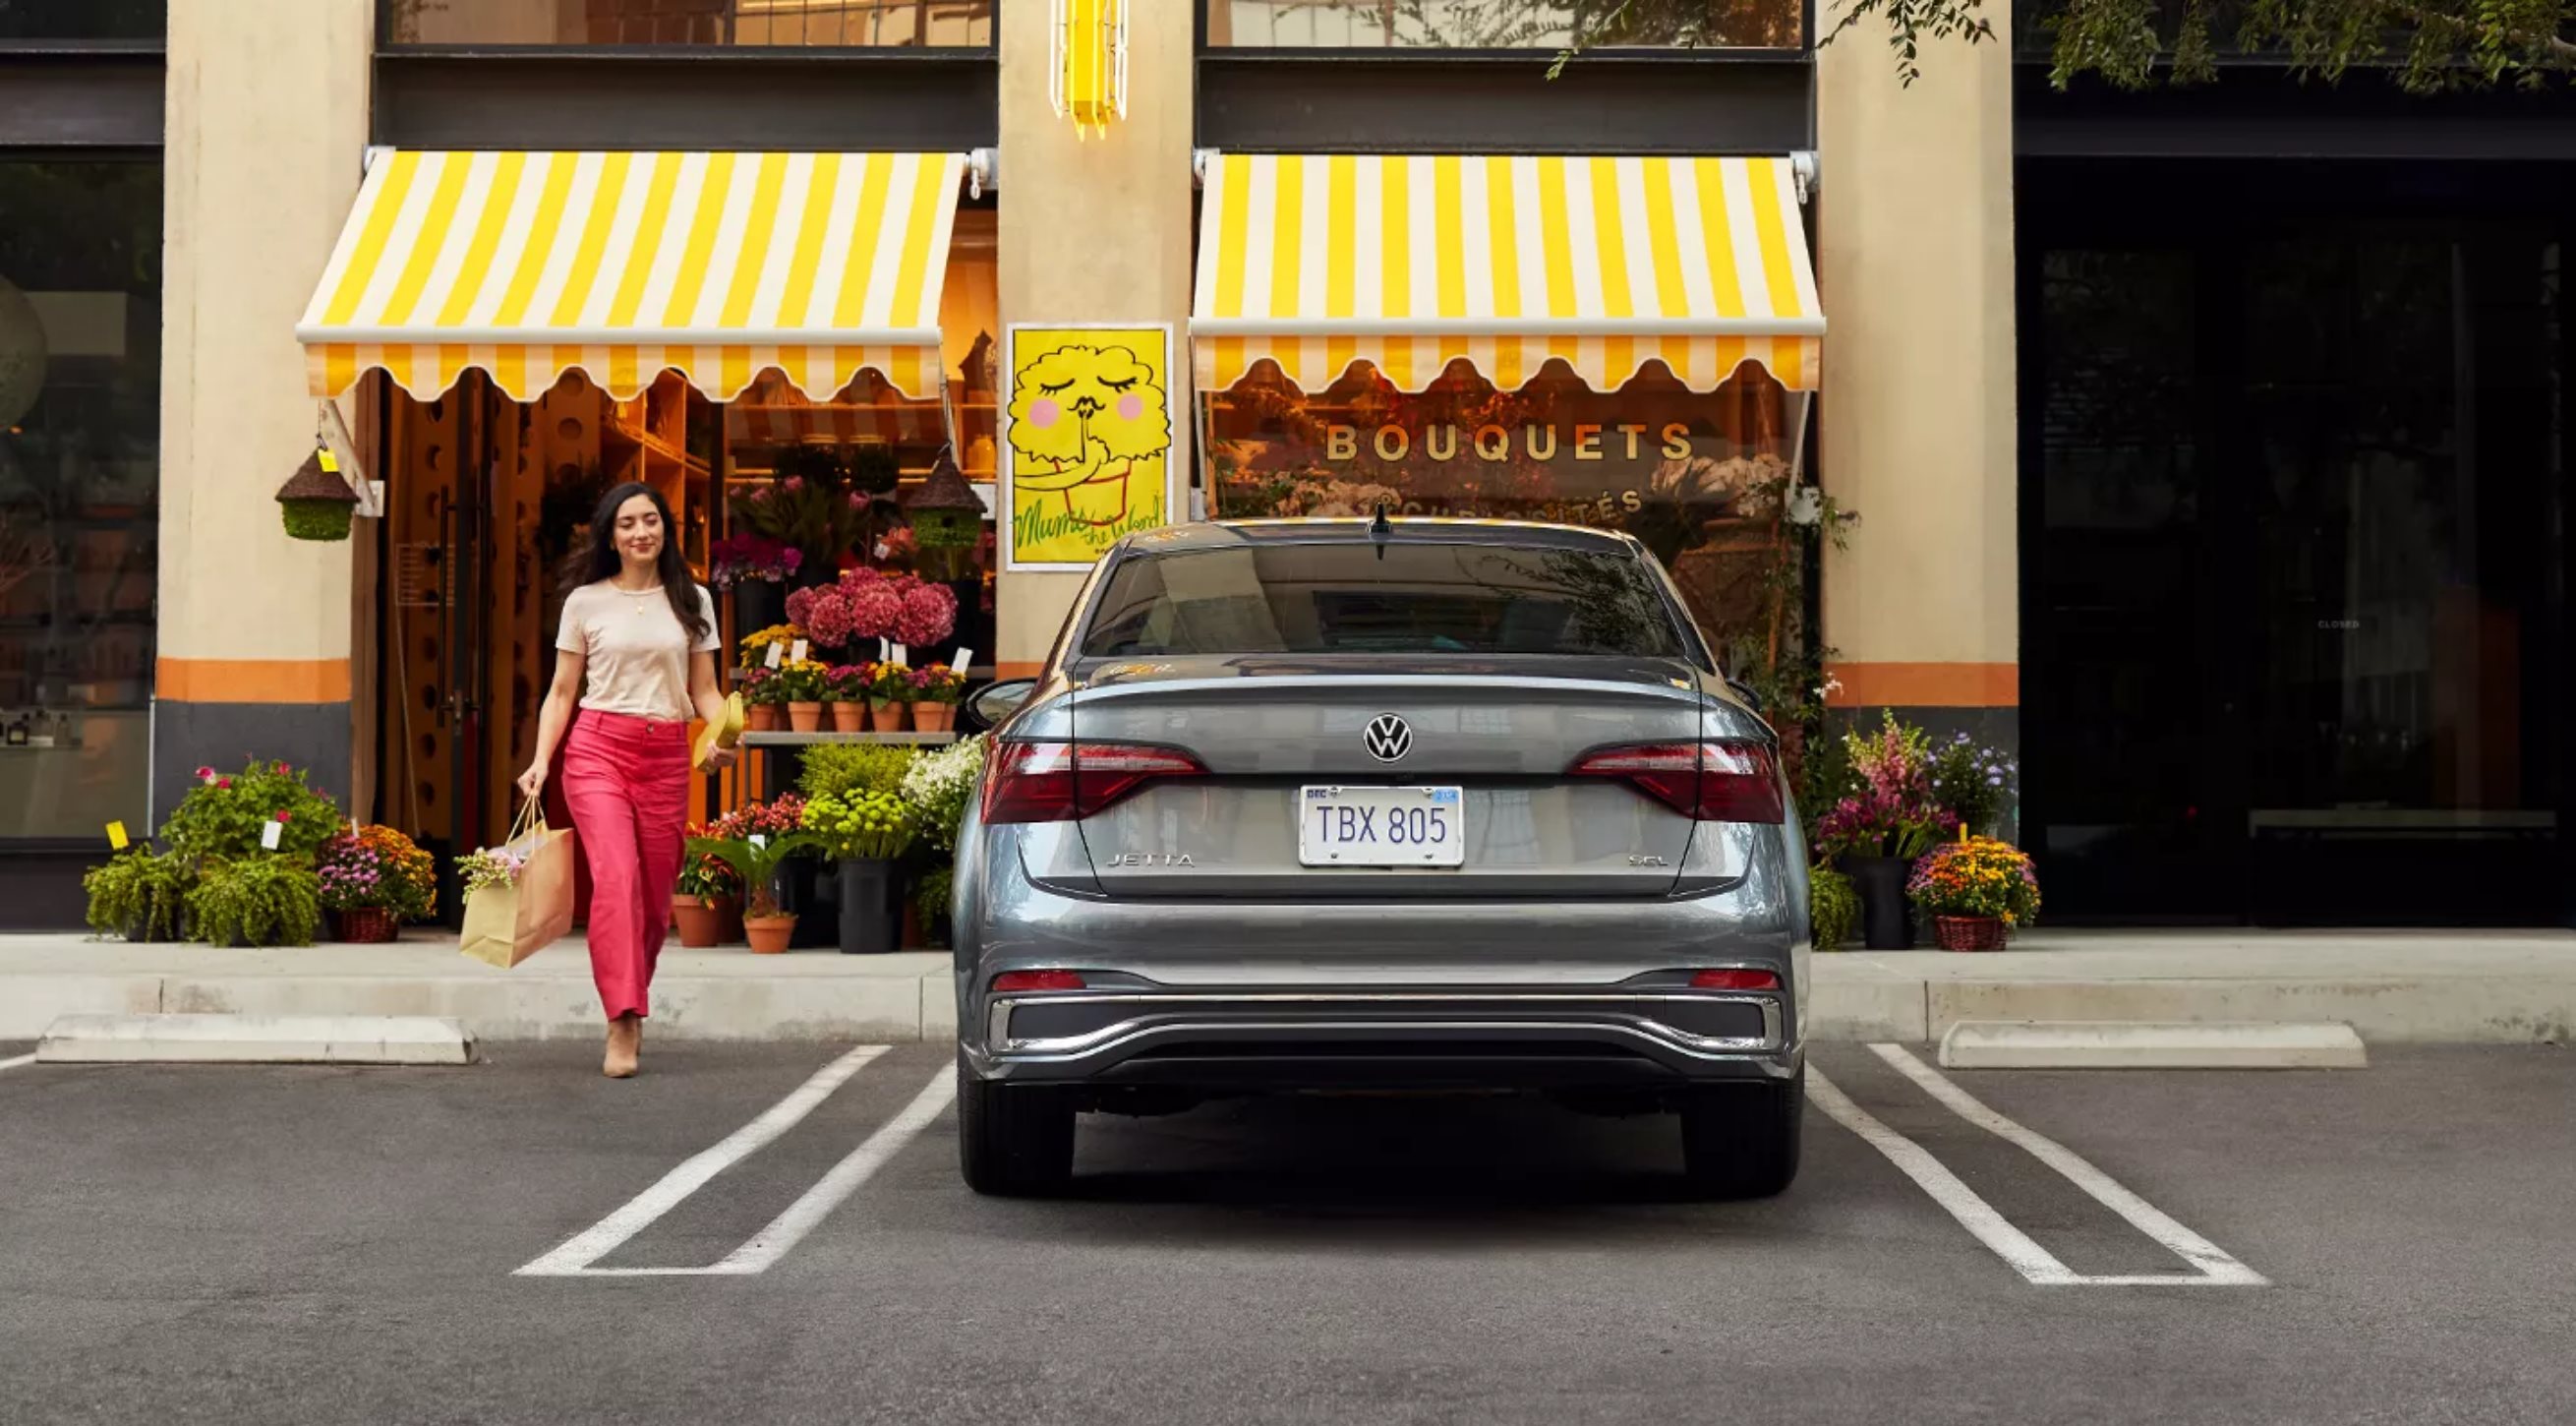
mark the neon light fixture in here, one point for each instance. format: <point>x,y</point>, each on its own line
<point>1088,82</point>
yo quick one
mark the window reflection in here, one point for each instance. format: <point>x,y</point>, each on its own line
<point>812,24</point>
<point>1498,24</point>
<point>83,19</point>
<point>80,384</point>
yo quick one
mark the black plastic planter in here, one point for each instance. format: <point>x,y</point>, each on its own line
<point>868,915</point>
<point>1886,917</point>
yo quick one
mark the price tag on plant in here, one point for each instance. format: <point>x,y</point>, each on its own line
<point>902,655</point>
<point>758,842</point>
<point>777,654</point>
<point>964,660</point>
<point>797,653</point>
<point>272,835</point>
<point>881,648</point>
<point>116,837</point>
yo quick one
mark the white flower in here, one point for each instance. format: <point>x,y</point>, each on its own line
<point>939,783</point>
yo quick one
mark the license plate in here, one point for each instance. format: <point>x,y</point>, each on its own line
<point>1381,826</point>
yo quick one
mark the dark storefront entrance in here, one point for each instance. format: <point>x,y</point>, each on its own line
<point>2294,465</point>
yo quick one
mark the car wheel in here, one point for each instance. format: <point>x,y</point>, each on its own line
<point>1013,1140</point>
<point>1741,1140</point>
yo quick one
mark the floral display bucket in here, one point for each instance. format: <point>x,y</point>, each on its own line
<point>1886,917</point>
<point>1968,933</point>
<point>366,925</point>
<point>868,917</point>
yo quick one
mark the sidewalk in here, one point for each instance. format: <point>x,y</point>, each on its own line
<point>2487,987</point>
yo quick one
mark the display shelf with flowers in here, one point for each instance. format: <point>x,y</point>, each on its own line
<point>936,692</point>
<point>1890,817</point>
<point>1977,890</point>
<point>374,879</point>
<point>738,558</point>
<point>756,859</point>
<point>847,686</point>
<point>764,699</point>
<point>804,685</point>
<point>865,608</point>
<point>890,696</point>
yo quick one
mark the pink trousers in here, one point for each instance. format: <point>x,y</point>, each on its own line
<point>627,781</point>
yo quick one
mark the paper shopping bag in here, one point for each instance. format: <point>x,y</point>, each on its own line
<point>505,925</point>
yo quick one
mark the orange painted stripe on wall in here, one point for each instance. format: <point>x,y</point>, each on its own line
<point>1926,685</point>
<point>253,680</point>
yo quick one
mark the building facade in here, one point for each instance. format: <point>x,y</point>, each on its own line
<point>2050,349</point>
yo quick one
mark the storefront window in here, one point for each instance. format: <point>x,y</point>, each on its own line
<point>1498,25</point>
<point>1703,478</point>
<point>80,390</point>
<point>811,24</point>
<point>83,19</point>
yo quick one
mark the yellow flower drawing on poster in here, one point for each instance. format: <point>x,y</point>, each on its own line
<point>1090,436</point>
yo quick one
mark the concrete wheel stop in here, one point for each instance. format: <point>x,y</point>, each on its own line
<point>256,1040</point>
<point>2105,1044</point>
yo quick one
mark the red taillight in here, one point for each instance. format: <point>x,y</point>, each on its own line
<point>1735,980</point>
<point>1038,980</point>
<point>1064,782</point>
<point>1710,782</point>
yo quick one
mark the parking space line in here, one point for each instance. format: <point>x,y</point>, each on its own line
<point>575,1256</point>
<point>789,1228</point>
<point>2213,1263</point>
<point>1961,1202</point>
<point>10,1064</point>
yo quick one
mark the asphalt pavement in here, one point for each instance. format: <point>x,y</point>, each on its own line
<point>335,1245</point>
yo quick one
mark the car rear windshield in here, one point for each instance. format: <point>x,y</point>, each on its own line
<point>1400,598</point>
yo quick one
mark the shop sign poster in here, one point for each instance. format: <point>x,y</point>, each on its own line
<point>1087,441</point>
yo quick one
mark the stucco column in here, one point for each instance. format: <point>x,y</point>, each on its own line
<point>1093,230</point>
<point>267,127</point>
<point>1916,430</point>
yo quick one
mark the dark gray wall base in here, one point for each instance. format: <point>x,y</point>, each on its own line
<point>223,736</point>
<point>40,884</point>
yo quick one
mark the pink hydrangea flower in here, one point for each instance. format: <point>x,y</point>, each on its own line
<point>827,619</point>
<point>929,615</point>
<point>874,609</point>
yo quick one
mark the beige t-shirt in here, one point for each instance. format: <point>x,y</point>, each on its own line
<point>635,654</point>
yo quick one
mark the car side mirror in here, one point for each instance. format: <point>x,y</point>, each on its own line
<point>1000,700</point>
<point>1744,692</point>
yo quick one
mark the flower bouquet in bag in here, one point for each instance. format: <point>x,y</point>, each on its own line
<point>518,895</point>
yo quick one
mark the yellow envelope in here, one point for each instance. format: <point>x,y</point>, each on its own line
<point>722,733</point>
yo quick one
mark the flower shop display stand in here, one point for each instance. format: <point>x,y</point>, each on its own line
<point>784,739</point>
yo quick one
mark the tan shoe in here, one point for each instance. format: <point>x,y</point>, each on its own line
<point>625,1038</point>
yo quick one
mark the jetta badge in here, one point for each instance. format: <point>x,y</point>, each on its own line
<point>1389,737</point>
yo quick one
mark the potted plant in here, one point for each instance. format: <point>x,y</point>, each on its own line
<point>940,785</point>
<point>936,691</point>
<point>756,858</point>
<point>863,832</point>
<point>1833,907</point>
<point>1976,890</point>
<point>373,879</point>
<point>848,686</point>
<point>699,903</point>
<point>263,899</point>
<point>803,687</point>
<point>890,694</point>
<point>1874,833</point>
<point>228,815</point>
<point>139,894</point>
<point>764,695</point>
<point>1976,783</point>
<point>766,819</point>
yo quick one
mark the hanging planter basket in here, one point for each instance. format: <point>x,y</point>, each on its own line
<point>317,503</point>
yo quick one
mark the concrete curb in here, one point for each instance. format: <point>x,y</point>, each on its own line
<point>255,1039</point>
<point>1990,1044</point>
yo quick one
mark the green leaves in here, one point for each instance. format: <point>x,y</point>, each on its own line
<point>756,865</point>
<point>259,900</point>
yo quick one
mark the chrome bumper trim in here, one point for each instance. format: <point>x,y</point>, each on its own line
<point>1155,1011</point>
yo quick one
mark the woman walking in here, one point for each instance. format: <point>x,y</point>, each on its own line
<point>634,662</point>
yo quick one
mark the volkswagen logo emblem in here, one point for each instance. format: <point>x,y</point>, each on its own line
<point>1389,737</point>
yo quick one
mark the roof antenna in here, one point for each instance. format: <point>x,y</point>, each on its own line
<point>1380,531</point>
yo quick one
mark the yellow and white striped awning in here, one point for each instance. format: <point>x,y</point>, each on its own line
<point>1410,263</point>
<point>717,265</point>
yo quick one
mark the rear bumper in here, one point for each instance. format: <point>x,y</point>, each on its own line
<point>1388,1039</point>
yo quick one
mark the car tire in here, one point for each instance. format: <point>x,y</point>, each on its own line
<point>1013,1140</point>
<point>1741,1140</point>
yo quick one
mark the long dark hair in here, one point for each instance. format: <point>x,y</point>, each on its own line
<point>599,559</point>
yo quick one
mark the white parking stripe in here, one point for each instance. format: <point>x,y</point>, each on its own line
<point>2215,1264</point>
<point>1974,1214</point>
<point>15,1063</point>
<point>602,1238</point>
<point>784,1232</point>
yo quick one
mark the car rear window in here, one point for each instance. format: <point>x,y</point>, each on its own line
<point>1397,598</point>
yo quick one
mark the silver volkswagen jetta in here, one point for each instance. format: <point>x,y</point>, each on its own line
<point>1419,805</point>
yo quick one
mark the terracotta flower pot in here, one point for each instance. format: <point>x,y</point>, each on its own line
<point>848,717</point>
<point>366,925</point>
<point>934,717</point>
<point>886,715</point>
<point>700,924</point>
<point>768,934</point>
<point>761,718</point>
<point>1968,933</point>
<point>804,717</point>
